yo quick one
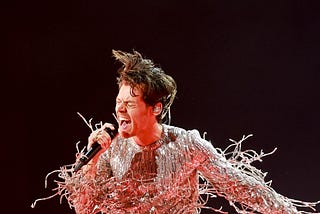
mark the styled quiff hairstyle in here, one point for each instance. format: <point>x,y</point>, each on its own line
<point>156,86</point>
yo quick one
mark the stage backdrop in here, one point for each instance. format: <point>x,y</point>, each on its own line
<point>242,67</point>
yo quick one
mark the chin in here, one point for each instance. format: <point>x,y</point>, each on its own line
<point>125,134</point>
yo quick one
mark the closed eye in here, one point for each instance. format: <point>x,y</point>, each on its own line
<point>128,104</point>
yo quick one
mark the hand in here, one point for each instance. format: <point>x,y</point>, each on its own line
<point>102,137</point>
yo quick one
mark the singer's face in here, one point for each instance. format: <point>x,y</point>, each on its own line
<point>135,117</point>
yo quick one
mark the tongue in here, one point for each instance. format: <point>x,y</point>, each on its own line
<point>124,125</point>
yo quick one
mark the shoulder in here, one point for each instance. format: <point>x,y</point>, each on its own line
<point>190,140</point>
<point>189,136</point>
<point>174,132</point>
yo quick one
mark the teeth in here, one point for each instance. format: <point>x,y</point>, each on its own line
<point>122,120</point>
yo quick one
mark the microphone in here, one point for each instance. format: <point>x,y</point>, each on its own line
<point>94,149</point>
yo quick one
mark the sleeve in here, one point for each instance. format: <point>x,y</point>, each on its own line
<point>87,192</point>
<point>231,175</point>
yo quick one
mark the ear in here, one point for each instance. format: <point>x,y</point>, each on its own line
<point>157,108</point>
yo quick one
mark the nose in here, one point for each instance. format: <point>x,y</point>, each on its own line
<point>121,107</point>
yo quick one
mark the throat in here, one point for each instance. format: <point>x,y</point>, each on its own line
<point>149,137</point>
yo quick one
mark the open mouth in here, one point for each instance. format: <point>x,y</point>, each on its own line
<point>123,122</point>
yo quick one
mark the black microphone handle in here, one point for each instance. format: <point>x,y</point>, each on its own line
<point>93,150</point>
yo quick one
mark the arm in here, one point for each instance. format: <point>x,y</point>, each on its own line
<point>86,186</point>
<point>88,189</point>
<point>85,189</point>
<point>239,182</point>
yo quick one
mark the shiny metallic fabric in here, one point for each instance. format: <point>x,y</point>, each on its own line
<point>164,178</point>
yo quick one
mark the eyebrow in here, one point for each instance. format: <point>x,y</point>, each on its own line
<point>126,101</point>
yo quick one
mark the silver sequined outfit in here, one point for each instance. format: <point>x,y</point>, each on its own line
<point>164,178</point>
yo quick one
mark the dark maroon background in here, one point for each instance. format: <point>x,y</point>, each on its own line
<point>242,67</point>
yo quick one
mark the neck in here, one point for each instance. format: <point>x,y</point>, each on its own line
<point>149,135</point>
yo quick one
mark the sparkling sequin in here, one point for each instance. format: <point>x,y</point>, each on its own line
<point>164,178</point>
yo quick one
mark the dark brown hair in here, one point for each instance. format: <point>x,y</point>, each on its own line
<point>156,86</point>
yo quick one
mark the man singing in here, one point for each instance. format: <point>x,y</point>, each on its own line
<point>153,167</point>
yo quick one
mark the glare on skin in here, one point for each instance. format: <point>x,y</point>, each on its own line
<point>142,125</point>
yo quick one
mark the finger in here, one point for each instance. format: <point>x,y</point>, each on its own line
<point>104,141</point>
<point>108,125</point>
<point>101,137</point>
<point>97,135</point>
<point>93,137</point>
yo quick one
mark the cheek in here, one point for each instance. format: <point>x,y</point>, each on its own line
<point>139,116</point>
<point>133,114</point>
